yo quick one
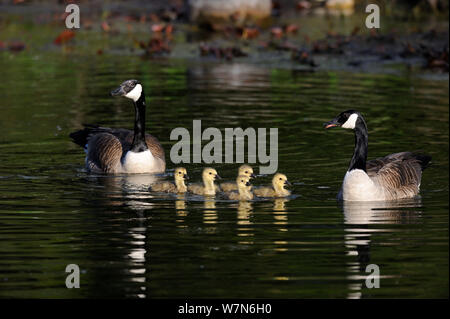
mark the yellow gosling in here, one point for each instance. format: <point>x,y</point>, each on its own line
<point>245,170</point>
<point>180,175</point>
<point>209,175</point>
<point>244,189</point>
<point>277,189</point>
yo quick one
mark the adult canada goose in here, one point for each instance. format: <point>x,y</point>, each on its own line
<point>245,170</point>
<point>113,151</point>
<point>180,175</point>
<point>277,189</point>
<point>209,175</point>
<point>395,176</point>
<point>244,189</point>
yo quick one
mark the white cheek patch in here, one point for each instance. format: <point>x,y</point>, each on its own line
<point>351,122</point>
<point>135,93</point>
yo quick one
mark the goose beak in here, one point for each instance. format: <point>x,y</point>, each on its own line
<point>248,184</point>
<point>217,176</point>
<point>186,176</point>
<point>118,92</point>
<point>287,183</point>
<point>330,124</point>
<point>252,175</point>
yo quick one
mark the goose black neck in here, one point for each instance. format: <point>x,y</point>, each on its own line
<point>361,141</point>
<point>139,144</point>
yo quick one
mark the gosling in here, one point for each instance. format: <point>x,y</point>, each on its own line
<point>244,189</point>
<point>209,175</point>
<point>245,170</point>
<point>277,189</point>
<point>180,176</point>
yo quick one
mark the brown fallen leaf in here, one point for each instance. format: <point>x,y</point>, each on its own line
<point>158,27</point>
<point>105,26</point>
<point>250,33</point>
<point>277,32</point>
<point>64,37</point>
<point>291,28</point>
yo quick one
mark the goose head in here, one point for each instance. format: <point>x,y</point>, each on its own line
<point>209,175</point>
<point>279,181</point>
<point>243,183</point>
<point>347,119</point>
<point>131,89</point>
<point>246,170</point>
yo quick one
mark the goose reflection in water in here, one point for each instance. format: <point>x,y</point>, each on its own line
<point>359,218</point>
<point>125,190</point>
<point>130,191</point>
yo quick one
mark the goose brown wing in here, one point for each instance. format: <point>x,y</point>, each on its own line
<point>104,152</point>
<point>399,173</point>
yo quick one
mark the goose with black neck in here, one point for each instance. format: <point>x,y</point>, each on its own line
<point>395,176</point>
<point>115,151</point>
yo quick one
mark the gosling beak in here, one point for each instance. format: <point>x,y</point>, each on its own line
<point>118,92</point>
<point>330,124</point>
<point>186,176</point>
<point>252,175</point>
<point>286,182</point>
<point>248,184</point>
<point>218,177</point>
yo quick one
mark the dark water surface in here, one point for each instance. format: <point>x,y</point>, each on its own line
<point>131,243</point>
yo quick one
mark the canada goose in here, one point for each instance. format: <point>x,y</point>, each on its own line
<point>244,189</point>
<point>392,177</point>
<point>277,189</point>
<point>245,170</point>
<point>208,187</point>
<point>113,151</point>
<point>180,175</point>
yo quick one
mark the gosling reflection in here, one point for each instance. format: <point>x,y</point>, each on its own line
<point>210,214</point>
<point>244,229</point>
<point>358,218</point>
<point>180,207</point>
<point>280,213</point>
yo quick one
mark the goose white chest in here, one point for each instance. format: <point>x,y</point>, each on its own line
<point>357,186</point>
<point>141,162</point>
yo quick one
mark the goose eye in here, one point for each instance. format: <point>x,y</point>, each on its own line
<point>246,172</point>
<point>210,173</point>
<point>281,179</point>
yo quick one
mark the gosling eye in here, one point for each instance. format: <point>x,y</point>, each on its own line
<point>246,172</point>
<point>281,179</point>
<point>210,173</point>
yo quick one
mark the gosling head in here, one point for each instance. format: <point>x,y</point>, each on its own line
<point>279,181</point>
<point>131,89</point>
<point>348,119</point>
<point>180,174</point>
<point>209,175</point>
<point>243,183</point>
<point>246,170</point>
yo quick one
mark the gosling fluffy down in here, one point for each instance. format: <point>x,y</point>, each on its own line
<point>180,176</point>
<point>244,170</point>
<point>209,175</point>
<point>244,189</point>
<point>277,189</point>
